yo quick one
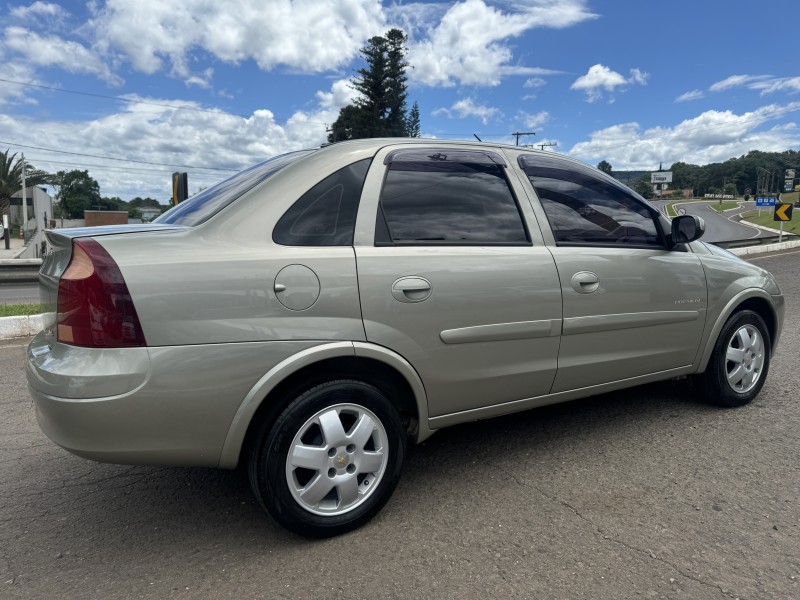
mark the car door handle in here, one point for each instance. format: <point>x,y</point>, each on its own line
<point>411,289</point>
<point>585,282</point>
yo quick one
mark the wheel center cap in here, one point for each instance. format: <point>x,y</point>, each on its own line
<point>341,461</point>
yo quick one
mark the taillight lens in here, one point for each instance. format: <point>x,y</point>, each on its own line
<point>94,306</point>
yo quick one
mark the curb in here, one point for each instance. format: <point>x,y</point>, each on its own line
<point>23,326</point>
<point>15,327</point>
<point>748,250</point>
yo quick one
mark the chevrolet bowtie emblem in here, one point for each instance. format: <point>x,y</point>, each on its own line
<point>341,460</point>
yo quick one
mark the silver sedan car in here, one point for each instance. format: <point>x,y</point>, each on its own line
<point>313,314</point>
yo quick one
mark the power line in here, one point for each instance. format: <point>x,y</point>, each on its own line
<point>118,98</point>
<point>132,160</point>
<point>113,169</point>
<point>132,101</point>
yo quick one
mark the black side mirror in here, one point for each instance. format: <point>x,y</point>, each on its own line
<point>686,228</point>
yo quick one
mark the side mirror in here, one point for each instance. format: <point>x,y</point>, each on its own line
<point>686,228</point>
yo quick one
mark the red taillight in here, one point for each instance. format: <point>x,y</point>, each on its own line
<point>94,306</point>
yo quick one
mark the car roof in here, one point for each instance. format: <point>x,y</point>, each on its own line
<point>376,144</point>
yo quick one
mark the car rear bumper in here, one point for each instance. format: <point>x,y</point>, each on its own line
<point>165,406</point>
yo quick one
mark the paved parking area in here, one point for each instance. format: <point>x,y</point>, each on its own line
<point>639,494</point>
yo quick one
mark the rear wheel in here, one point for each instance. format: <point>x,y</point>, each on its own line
<point>331,460</point>
<point>739,363</point>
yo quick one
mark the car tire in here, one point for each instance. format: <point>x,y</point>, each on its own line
<point>738,366</point>
<point>330,461</point>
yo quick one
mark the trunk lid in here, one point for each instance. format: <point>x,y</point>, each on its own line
<point>59,252</point>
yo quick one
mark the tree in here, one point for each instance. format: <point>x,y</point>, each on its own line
<point>605,167</point>
<point>11,178</point>
<point>396,83</point>
<point>643,187</point>
<point>380,109</point>
<point>412,124</point>
<point>78,192</point>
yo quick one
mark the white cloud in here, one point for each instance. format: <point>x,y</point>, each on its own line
<point>736,81</point>
<point>713,136</point>
<point>688,96</point>
<point>15,71</point>
<point>532,121</point>
<point>52,51</point>
<point>202,80</point>
<point>787,84</point>
<point>639,77</point>
<point>415,18</point>
<point>469,44</point>
<point>468,108</point>
<point>38,8</point>
<point>600,78</point>
<point>307,35</point>
<point>171,136</point>
<point>534,82</point>
<point>341,94</point>
<point>766,84</point>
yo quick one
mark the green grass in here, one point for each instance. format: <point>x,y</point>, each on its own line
<point>728,203</point>
<point>17,310</point>
<point>767,220</point>
<point>724,206</point>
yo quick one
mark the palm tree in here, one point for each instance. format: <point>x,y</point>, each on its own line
<point>11,178</point>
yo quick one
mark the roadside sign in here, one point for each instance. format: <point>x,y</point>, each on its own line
<point>766,201</point>
<point>783,212</point>
<point>681,211</point>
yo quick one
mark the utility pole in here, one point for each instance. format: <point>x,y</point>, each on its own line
<point>330,130</point>
<point>24,202</point>
<point>519,134</point>
<point>544,145</point>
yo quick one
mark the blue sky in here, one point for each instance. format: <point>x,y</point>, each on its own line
<point>211,87</point>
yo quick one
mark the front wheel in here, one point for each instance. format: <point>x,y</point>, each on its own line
<point>331,460</point>
<point>739,363</point>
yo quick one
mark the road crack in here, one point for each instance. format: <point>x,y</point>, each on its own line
<point>597,531</point>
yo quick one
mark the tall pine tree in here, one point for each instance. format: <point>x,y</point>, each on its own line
<point>380,110</point>
<point>396,83</point>
<point>412,123</point>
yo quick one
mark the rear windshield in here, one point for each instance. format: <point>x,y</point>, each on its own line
<point>207,203</point>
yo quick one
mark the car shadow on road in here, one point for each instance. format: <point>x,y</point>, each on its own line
<point>197,506</point>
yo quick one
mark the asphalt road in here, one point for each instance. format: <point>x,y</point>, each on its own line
<point>640,494</point>
<point>19,294</point>
<point>719,227</point>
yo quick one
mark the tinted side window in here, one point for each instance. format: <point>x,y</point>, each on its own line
<point>454,198</point>
<point>326,214</point>
<point>584,209</point>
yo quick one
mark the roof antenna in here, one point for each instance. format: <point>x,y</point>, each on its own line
<point>476,137</point>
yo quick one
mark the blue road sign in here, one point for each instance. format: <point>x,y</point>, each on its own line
<point>765,201</point>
